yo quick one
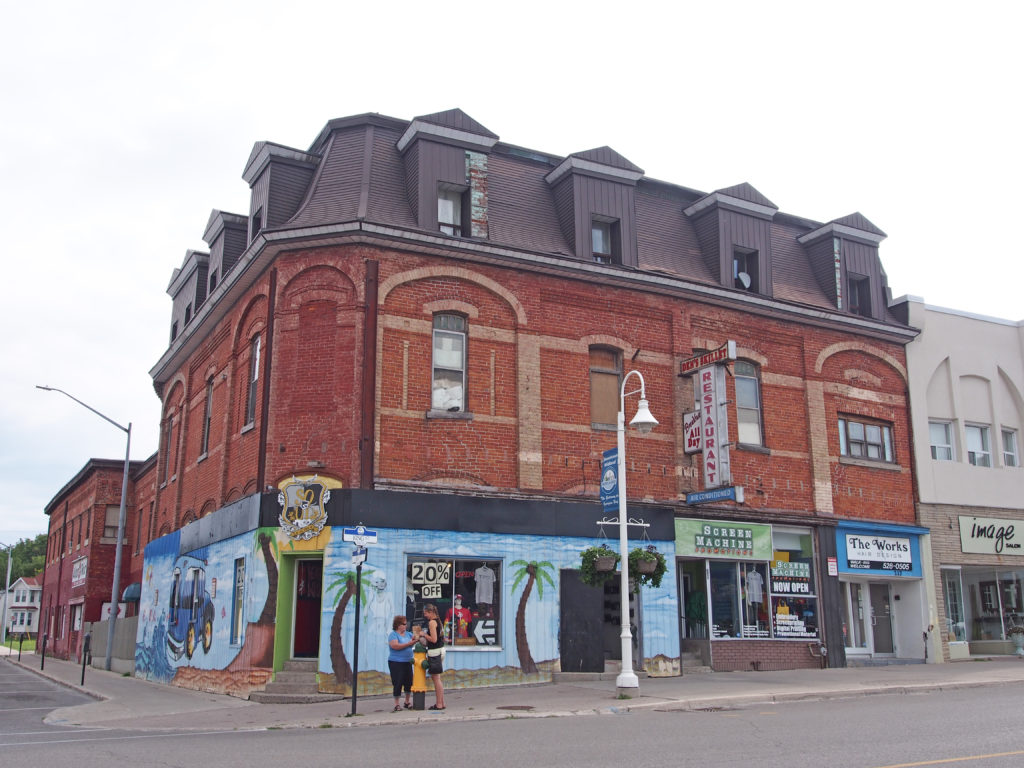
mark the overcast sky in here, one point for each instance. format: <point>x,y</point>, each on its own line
<point>127,123</point>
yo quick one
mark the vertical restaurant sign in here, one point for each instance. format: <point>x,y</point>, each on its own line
<point>709,395</point>
<point>990,536</point>
<point>884,553</point>
<point>723,539</point>
<point>710,399</point>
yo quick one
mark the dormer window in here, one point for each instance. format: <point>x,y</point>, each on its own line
<point>174,330</point>
<point>604,240</point>
<point>213,280</point>
<point>256,225</point>
<point>188,314</point>
<point>859,295</point>
<point>450,201</point>
<point>744,270</point>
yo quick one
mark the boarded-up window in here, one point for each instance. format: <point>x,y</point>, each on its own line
<point>605,374</point>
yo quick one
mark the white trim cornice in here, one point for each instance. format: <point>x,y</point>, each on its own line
<point>717,198</point>
<point>571,164</point>
<point>843,230</point>
<point>418,127</point>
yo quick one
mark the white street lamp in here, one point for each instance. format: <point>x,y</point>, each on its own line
<point>644,423</point>
<point>116,586</point>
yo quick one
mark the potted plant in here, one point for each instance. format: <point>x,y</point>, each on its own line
<point>648,565</point>
<point>597,565</point>
<point>1016,634</point>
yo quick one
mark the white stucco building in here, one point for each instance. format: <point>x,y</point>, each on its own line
<point>966,376</point>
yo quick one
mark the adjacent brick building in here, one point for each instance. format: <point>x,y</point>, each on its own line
<point>423,329</point>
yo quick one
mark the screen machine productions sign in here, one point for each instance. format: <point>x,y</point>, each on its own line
<point>878,553</point>
<point>722,539</point>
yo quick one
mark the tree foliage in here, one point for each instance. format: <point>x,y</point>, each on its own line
<point>28,556</point>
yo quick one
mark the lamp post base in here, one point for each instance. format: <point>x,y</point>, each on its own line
<point>627,684</point>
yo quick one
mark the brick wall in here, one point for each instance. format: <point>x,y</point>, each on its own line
<point>764,655</point>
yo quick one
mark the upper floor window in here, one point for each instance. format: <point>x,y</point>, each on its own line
<point>256,225</point>
<point>174,330</point>
<point>254,374</point>
<point>448,379</point>
<point>744,269</point>
<point>213,280</point>
<point>859,295</point>
<point>605,378</point>
<point>940,435</point>
<point>207,416</point>
<point>979,451</point>
<point>168,446</point>
<point>188,313</point>
<point>110,521</point>
<point>604,240</point>
<point>865,440</point>
<point>1010,455</point>
<point>748,403</point>
<point>449,210</point>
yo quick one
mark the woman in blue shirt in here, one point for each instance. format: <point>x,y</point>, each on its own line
<point>400,643</point>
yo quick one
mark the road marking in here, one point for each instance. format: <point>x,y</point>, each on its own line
<point>131,738</point>
<point>954,759</point>
<point>38,733</point>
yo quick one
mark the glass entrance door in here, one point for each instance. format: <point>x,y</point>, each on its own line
<point>881,618</point>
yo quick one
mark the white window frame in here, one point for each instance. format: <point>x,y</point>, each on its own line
<point>752,411</point>
<point>600,372</point>
<point>254,378</point>
<point>449,339</point>
<point>207,417</point>
<point>979,445</point>
<point>449,210</point>
<point>1011,452</point>
<point>941,451</point>
<point>884,442</point>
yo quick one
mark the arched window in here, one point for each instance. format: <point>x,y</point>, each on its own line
<point>605,378</point>
<point>748,403</point>
<point>207,416</point>
<point>254,375</point>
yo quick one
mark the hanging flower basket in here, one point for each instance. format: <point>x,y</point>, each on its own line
<point>597,565</point>
<point>648,564</point>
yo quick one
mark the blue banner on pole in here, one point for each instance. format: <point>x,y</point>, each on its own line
<point>610,480</point>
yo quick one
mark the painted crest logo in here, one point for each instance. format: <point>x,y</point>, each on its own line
<point>303,506</point>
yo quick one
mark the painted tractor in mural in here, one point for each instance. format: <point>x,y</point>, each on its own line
<point>190,613</point>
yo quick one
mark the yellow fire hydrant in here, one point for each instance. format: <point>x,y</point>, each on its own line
<point>419,676</point>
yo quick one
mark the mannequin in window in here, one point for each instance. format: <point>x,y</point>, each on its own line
<point>458,618</point>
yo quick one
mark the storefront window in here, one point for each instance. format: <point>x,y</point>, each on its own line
<point>794,601</point>
<point>953,593</point>
<point>992,601</point>
<point>466,593</point>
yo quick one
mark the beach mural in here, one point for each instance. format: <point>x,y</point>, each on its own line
<point>497,593</point>
<point>206,616</point>
<point>214,619</point>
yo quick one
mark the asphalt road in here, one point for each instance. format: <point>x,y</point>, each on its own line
<point>978,727</point>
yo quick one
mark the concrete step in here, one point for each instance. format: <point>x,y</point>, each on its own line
<point>300,665</point>
<point>292,688</point>
<point>289,676</point>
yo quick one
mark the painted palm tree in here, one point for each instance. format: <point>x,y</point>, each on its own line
<point>345,583</point>
<point>533,572</point>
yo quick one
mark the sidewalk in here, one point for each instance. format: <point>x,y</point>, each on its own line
<point>126,702</point>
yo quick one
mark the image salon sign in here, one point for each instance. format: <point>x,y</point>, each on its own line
<point>990,536</point>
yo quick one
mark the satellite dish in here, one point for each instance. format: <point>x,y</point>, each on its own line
<point>743,281</point>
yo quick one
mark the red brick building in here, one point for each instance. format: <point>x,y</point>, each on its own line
<point>421,312</point>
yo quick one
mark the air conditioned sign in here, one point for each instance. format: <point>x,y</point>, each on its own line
<point>883,553</point>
